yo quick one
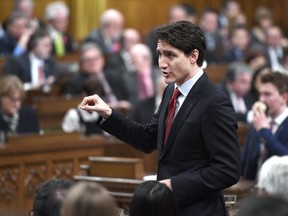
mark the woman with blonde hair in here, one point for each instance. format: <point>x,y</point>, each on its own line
<point>14,117</point>
<point>88,199</point>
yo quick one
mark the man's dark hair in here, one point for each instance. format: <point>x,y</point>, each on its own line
<point>49,197</point>
<point>279,80</point>
<point>15,16</point>
<point>154,199</point>
<point>92,86</point>
<point>35,37</point>
<point>185,36</point>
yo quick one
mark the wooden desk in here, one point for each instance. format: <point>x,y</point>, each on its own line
<point>117,167</point>
<point>27,161</point>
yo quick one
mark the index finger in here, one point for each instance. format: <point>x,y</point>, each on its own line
<point>84,102</point>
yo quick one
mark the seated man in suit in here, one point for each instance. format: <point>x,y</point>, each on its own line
<point>77,120</point>
<point>109,35</point>
<point>140,83</point>
<point>237,85</point>
<point>267,135</point>
<point>144,110</point>
<point>14,117</point>
<point>14,40</point>
<point>35,68</point>
<point>92,65</point>
<point>239,44</point>
<point>57,17</point>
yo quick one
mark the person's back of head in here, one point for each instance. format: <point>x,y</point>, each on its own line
<point>93,86</point>
<point>273,177</point>
<point>263,206</point>
<point>154,199</point>
<point>88,199</point>
<point>49,197</point>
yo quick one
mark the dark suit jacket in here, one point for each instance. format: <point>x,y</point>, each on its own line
<point>97,36</point>
<point>275,144</point>
<point>21,67</point>
<point>7,44</point>
<point>248,99</point>
<point>75,85</point>
<point>201,156</point>
<point>28,122</point>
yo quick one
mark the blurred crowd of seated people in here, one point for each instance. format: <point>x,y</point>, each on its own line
<point>228,39</point>
<point>124,62</point>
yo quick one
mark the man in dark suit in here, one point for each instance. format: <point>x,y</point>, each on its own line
<point>236,86</point>
<point>16,35</point>
<point>92,63</point>
<point>35,67</point>
<point>200,155</point>
<point>109,35</point>
<point>144,110</point>
<point>57,17</point>
<point>267,135</point>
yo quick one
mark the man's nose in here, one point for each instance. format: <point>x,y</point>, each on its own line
<point>261,98</point>
<point>162,64</point>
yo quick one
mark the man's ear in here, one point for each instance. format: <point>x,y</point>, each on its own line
<point>285,97</point>
<point>194,56</point>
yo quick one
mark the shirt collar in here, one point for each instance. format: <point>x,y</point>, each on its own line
<point>34,58</point>
<point>186,86</point>
<point>279,119</point>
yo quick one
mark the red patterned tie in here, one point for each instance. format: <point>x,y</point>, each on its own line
<point>171,112</point>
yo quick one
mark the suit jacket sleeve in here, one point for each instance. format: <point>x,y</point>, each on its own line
<point>274,146</point>
<point>141,137</point>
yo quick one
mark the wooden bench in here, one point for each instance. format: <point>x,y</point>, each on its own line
<point>51,110</point>
<point>117,167</point>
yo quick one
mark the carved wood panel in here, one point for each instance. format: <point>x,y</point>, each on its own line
<point>63,169</point>
<point>9,177</point>
<point>35,174</point>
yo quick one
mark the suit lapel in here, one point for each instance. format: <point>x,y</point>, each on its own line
<point>163,114</point>
<point>186,108</point>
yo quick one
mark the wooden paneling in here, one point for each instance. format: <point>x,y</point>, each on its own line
<point>142,15</point>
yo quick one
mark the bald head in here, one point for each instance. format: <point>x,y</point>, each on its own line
<point>112,22</point>
<point>131,37</point>
<point>141,56</point>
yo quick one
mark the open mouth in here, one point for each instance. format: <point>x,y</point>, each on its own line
<point>165,74</point>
